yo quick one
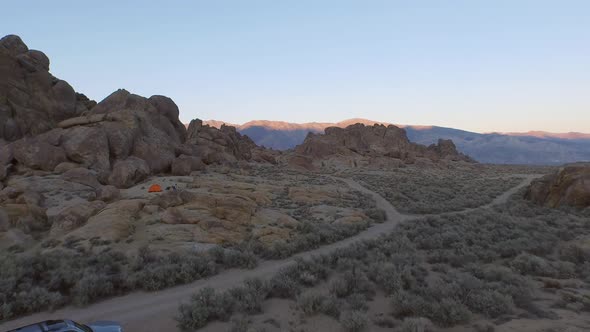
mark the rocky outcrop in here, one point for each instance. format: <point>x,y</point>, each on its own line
<point>112,223</point>
<point>38,153</point>
<point>373,141</point>
<point>569,186</point>
<point>217,146</point>
<point>46,126</point>
<point>120,127</point>
<point>32,101</point>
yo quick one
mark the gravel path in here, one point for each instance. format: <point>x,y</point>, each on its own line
<point>155,311</point>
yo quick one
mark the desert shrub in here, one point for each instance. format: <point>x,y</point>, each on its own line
<point>310,272</point>
<point>233,258</point>
<point>574,253</point>
<point>565,270</point>
<point>310,303</point>
<point>204,306</point>
<point>349,282</point>
<point>353,321</point>
<point>416,324</point>
<point>31,300</point>
<point>505,281</point>
<point>83,278</point>
<point>357,302</point>
<point>440,301</point>
<point>207,305</point>
<point>387,276</point>
<point>385,322</point>
<point>331,306</point>
<point>490,303</point>
<point>240,323</point>
<point>249,298</point>
<point>533,265</point>
<point>338,287</point>
<point>288,282</point>
<point>284,285</point>
<point>578,302</point>
<point>406,304</point>
<point>91,288</point>
<point>450,312</point>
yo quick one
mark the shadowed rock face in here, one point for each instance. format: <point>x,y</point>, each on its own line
<point>224,145</point>
<point>569,186</point>
<point>374,141</point>
<point>32,101</point>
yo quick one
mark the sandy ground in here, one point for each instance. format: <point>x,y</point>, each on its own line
<point>155,311</point>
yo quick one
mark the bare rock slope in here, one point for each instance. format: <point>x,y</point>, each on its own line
<point>569,186</point>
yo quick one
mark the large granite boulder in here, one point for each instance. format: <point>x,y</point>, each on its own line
<point>32,101</point>
<point>37,153</point>
<point>184,165</point>
<point>89,147</point>
<point>128,172</point>
<point>569,186</point>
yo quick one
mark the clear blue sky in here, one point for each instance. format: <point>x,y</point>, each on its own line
<point>510,65</point>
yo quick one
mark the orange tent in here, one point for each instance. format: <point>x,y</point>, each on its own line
<point>155,188</point>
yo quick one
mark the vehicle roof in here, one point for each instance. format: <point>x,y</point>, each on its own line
<point>45,326</point>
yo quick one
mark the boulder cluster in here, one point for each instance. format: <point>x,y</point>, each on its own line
<point>569,186</point>
<point>46,126</point>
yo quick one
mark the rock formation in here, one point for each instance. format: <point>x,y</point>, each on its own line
<point>374,141</point>
<point>223,145</point>
<point>46,126</point>
<point>64,158</point>
<point>32,101</point>
<point>569,186</point>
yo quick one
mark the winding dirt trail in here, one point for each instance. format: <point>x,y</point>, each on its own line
<point>155,311</point>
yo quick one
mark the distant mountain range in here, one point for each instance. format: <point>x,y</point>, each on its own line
<point>533,148</point>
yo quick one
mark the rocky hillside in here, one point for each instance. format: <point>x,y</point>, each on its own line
<point>569,186</point>
<point>46,126</point>
<point>71,167</point>
<point>532,148</point>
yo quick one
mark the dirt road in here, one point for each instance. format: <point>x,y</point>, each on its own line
<point>155,311</point>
